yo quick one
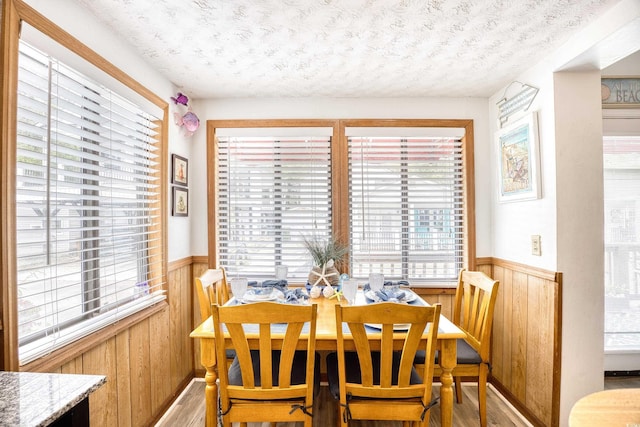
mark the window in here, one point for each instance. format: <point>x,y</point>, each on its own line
<point>398,196</point>
<point>87,211</point>
<point>622,242</point>
<point>406,207</point>
<point>272,193</point>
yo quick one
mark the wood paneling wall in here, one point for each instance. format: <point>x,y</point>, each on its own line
<point>443,296</point>
<point>526,338</point>
<point>147,365</point>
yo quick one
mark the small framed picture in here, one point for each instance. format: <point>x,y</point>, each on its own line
<point>180,201</point>
<point>519,165</point>
<point>179,170</point>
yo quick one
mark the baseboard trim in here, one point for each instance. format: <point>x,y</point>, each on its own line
<point>635,373</point>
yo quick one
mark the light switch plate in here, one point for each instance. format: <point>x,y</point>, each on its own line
<point>536,248</point>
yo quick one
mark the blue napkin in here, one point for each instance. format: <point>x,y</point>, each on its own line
<point>398,283</point>
<point>295,296</point>
<point>280,285</point>
<point>390,295</point>
<point>367,287</point>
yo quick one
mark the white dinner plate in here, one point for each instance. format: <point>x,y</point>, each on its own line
<point>396,327</point>
<point>409,295</point>
<point>251,296</point>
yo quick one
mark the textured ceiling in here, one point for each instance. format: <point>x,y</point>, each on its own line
<point>344,48</point>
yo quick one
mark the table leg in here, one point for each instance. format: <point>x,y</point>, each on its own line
<point>447,363</point>
<point>208,359</point>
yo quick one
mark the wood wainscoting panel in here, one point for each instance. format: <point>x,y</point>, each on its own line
<point>123,379</point>
<point>139,360</point>
<point>526,338</point>
<point>540,348</point>
<point>161,389</point>
<point>442,296</point>
<point>74,366</point>
<point>181,324</point>
<point>518,330</point>
<point>101,360</point>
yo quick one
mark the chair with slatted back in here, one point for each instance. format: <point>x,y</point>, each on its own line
<point>379,381</point>
<point>473,313</point>
<point>212,288</point>
<point>274,375</point>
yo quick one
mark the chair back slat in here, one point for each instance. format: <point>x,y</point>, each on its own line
<point>243,353</point>
<point>266,355</point>
<point>386,356</point>
<point>363,349</point>
<point>411,346</point>
<point>288,352</point>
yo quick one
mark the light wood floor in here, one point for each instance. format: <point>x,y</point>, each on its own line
<point>189,410</point>
<point>621,382</point>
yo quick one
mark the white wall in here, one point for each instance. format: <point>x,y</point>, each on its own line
<point>513,223</point>
<point>85,27</point>
<point>629,66</point>
<point>344,108</point>
<point>580,232</point>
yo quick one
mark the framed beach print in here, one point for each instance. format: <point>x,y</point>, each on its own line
<point>179,170</point>
<point>518,163</point>
<point>180,202</point>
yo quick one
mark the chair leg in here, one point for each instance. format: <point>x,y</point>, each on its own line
<point>482,394</point>
<point>343,422</point>
<point>457,382</point>
<point>308,422</point>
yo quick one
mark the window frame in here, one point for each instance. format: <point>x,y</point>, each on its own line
<point>14,12</point>
<point>340,174</point>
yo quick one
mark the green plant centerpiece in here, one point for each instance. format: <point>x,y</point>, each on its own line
<point>325,253</point>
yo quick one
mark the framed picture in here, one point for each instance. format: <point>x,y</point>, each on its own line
<point>519,170</point>
<point>179,170</point>
<point>180,202</point>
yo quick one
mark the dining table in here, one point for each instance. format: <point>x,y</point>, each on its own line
<point>613,408</point>
<point>326,340</point>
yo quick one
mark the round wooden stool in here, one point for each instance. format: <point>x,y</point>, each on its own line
<point>611,408</point>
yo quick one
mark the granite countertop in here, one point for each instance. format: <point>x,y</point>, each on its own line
<point>38,399</point>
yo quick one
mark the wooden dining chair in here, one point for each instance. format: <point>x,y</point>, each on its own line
<point>379,381</point>
<point>212,288</point>
<point>475,301</point>
<point>274,376</point>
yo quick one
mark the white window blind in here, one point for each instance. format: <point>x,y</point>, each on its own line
<point>406,207</point>
<point>88,211</point>
<point>272,192</point>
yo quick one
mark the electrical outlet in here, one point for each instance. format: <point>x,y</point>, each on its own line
<point>536,248</point>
